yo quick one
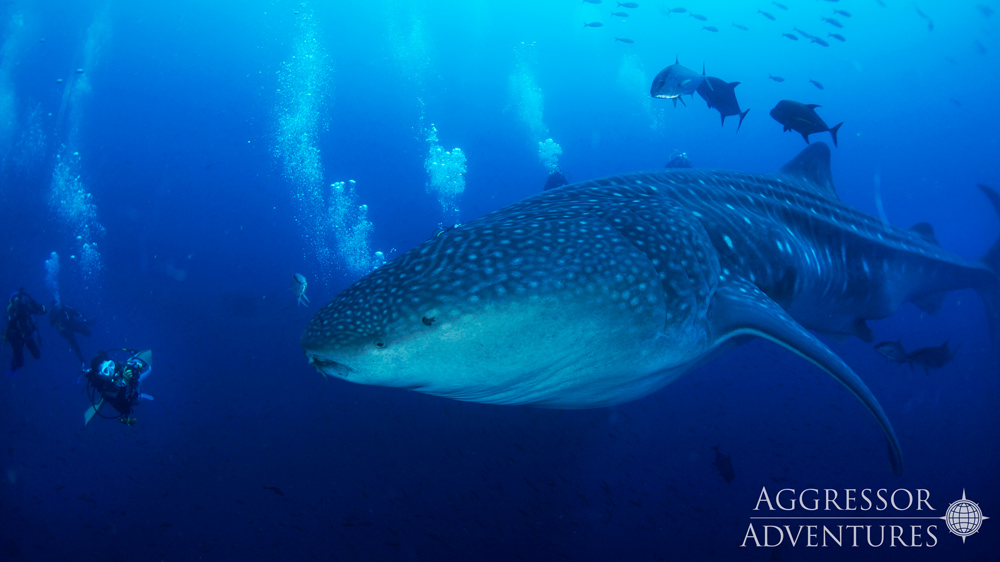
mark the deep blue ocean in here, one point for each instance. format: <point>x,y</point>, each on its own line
<point>184,160</point>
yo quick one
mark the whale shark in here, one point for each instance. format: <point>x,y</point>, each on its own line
<point>604,291</point>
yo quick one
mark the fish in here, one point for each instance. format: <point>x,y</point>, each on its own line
<point>274,489</point>
<point>675,81</point>
<point>619,14</point>
<point>836,36</point>
<point>842,13</point>
<point>299,285</point>
<point>698,17</point>
<point>721,96</point>
<point>591,1</point>
<point>803,33</point>
<point>676,10</point>
<point>724,464</point>
<point>624,40</point>
<point>790,36</point>
<point>926,358</point>
<point>766,15</point>
<point>741,27</point>
<point>802,118</point>
<point>710,28</point>
<point>833,22</point>
<point>776,78</point>
<point>593,24</point>
<point>892,351</point>
<point>628,4</point>
<point>605,291</point>
<point>782,6</point>
<point>930,22</point>
<point>818,40</point>
<point>815,83</point>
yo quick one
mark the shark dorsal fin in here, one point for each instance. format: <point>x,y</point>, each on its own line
<point>926,231</point>
<point>812,165</point>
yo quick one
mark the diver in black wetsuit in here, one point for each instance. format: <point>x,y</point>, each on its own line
<point>555,179</point>
<point>69,321</point>
<point>21,330</point>
<point>117,383</point>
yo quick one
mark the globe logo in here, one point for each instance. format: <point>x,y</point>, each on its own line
<point>963,517</point>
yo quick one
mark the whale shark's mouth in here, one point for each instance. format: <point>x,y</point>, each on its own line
<point>666,97</point>
<point>329,366</point>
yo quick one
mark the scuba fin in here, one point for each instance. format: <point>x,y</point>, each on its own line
<point>145,356</point>
<point>92,411</point>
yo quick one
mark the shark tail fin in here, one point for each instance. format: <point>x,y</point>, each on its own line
<point>742,116</point>
<point>990,291</point>
<point>833,132</point>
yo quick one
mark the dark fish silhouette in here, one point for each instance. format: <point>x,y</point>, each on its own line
<point>619,14</point>
<point>698,17</point>
<point>593,24</point>
<point>628,4</point>
<point>624,40</point>
<point>930,22</point>
<point>833,22</point>
<point>926,358</point>
<point>802,118</point>
<point>815,83</point>
<point>842,13</point>
<point>929,358</point>
<point>765,14</point>
<point>710,28</point>
<point>776,78</point>
<point>836,36</point>
<point>274,489</point>
<point>591,1</point>
<point>892,351</point>
<point>818,40</point>
<point>782,6</point>
<point>724,464</point>
<point>803,33</point>
<point>741,27</point>
<point>721,96</point>
<point>676,10</point>
<point>790,36</point>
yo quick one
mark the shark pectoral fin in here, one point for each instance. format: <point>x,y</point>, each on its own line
<point>741,310</point>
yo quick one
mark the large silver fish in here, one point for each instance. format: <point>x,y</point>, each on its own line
<point>602,292</point>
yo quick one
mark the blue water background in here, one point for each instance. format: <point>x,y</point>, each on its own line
<point>201,233</point>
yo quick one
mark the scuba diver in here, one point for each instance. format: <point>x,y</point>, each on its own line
<point>69,321</point>
<point>117,383</point>
<point>555,179</point>
<point>21,330</point>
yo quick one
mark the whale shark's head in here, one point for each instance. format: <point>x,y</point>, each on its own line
<point>522,308</point>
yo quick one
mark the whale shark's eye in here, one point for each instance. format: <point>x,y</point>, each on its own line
<point>379,344</point>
